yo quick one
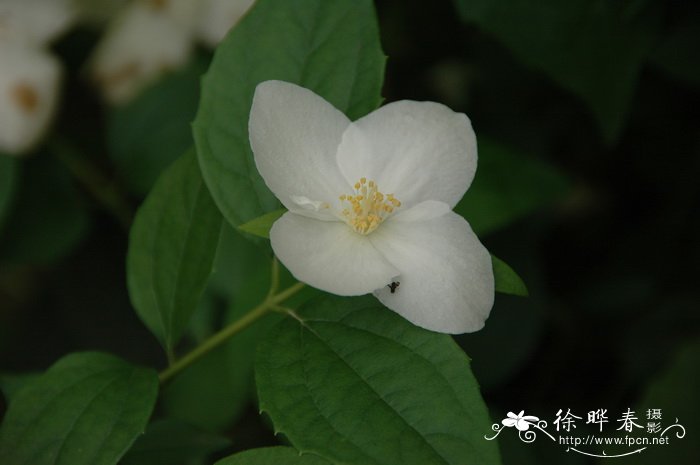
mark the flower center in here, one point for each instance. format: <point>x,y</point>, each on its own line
<point>367,208</point>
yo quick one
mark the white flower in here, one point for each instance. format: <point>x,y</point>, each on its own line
<point>29,75</point>
<point>370,203</point>
<point>218,16</point>
<point>520,421</point>
<point>144,42</point>
<point>183,12</point>
<point>29,83</point>
<point>35,21</point>
<point>95,13</point>
<point>152,37</point>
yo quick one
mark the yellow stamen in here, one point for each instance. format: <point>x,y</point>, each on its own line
<point>368,207</point>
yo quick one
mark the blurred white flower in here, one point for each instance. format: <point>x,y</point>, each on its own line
<point>152,37</point>
<point>183,12</point>
<point>217,17</point>
<point>96,13</point>
<point>141,44</point>
<point>35,21</point>
<point>370,203</point>
<point>29,83</point>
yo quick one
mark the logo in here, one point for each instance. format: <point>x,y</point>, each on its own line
<point>599,437</point>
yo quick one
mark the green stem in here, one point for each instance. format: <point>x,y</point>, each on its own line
<point>274,277</point>
<point>94,181</point>
<point>222,336</point>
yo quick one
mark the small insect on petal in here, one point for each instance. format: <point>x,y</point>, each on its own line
<point>393,286</point>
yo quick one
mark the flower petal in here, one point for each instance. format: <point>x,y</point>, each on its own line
<point>446,280</point>
<point>330,256</point>
<point>426,210</point>
<point>295,134</point>
<point>414,150</point>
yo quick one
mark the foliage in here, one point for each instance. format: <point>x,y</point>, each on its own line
<point>172,246</point>
<point>340,361</point>
<point>330,48</point>
<point>87,409</point>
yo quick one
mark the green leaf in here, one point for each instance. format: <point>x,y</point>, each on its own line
<point>238,262</point>
<point>47,218</point>
<point>214,392</point>
<point>675,393</point>
<point>594,49</point>
<point>261,225</point>
<point>168,441</point>
<point>87,409</point>
<point>145,136</point>
<point>11,384</point>
<point>507,187</point>
<point>507,280</point>
<point>8,176</point>
<point>331,48</point>
<point>171,249</point>
<point>355,383</point>
<point>273,456</point>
